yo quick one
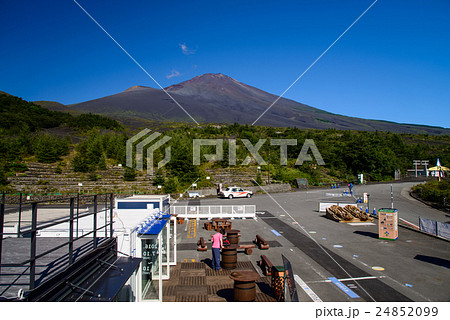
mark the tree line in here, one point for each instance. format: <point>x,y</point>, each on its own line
<point>346,153</point>
<point>23,133</point>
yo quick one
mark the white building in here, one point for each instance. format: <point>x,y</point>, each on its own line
<point>145,229</point>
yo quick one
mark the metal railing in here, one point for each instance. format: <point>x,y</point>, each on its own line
<point>210,212</point>
<point>32,230</point>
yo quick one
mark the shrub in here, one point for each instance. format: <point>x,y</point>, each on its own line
<point>129,174</point>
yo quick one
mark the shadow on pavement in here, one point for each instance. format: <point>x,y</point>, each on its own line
<point>434,260</point>
<point>367,234</point>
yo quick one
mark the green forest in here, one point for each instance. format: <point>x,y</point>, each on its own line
<point>29,132</point>
<point>437,192</point>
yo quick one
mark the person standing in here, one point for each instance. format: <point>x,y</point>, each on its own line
<point>217,244</point>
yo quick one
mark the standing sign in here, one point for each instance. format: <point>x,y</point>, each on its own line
<point>289,274</point>
<point>149,266</point>
<point>388,224</point>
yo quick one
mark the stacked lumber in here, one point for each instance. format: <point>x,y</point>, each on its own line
<point>357,213</point>
<point>347,214</point>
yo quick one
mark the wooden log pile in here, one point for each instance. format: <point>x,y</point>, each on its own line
<point>347,214</point>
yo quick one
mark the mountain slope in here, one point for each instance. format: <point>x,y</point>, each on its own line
<point>217,98</point>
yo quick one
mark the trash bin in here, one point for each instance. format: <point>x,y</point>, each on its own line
<point>277,285</point>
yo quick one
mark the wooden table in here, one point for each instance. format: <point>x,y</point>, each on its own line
<point>244,285</point>
<point>221,223</point>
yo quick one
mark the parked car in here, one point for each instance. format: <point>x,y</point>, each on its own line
<point>235,192</point>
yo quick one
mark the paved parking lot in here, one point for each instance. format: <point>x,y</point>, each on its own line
<point>415,267</point>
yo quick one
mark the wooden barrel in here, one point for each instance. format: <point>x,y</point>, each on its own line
<point>244,291</point>
<point>233,238</point>
<point>229,259</point>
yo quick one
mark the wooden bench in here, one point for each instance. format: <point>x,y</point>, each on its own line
<point>261,243</point>
<point>201,245</point>
<point>248,248</point>
<point>266,265</point>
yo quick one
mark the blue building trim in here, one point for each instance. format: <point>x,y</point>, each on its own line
<point>137,205</point>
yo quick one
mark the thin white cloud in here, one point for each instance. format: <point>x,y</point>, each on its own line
<point>175,73</point>
<point>185,49</point>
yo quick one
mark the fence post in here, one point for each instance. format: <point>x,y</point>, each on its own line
<point>2,221</point>
<point>20,214</point>
<point>95,222</point>
<point>437,229</point>
<point>71,216</point>
<point>78,209</point>
<point>33,244</point>
<point>111,196</point>
<point>106,215</point>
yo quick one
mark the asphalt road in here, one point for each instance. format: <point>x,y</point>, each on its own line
<point>415,267</point>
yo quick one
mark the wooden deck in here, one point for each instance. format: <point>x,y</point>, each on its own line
<point>198,282</point>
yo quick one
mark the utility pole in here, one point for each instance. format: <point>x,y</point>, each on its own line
<point>392,198</point>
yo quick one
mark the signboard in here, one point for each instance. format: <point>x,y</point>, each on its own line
<point>301,183</point>
<point>289,276</point>
<point>388,224</point>
<point>150,260</point>
<point>360,178</point>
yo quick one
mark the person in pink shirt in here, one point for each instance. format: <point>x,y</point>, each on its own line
<point>217,244</point>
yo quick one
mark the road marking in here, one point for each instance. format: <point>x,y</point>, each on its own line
<point>276,232</point>
<point>343,287</point>
<point>307,289</point>
<point>361,224</point>
<point>192,232</point>
<point>378,268</point>
<point>349,279</point>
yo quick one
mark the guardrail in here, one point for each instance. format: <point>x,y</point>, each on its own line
<point>210,212</point>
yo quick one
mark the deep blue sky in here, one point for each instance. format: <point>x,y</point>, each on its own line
<point>394,64</point>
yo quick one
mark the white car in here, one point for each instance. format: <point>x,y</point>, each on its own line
<point>235,192</point>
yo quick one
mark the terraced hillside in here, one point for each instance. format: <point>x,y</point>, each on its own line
<point>49,178</point>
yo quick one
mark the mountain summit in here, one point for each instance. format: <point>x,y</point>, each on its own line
<point>211,85</point>
<point>222,89</point>
<point>217,98</point>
